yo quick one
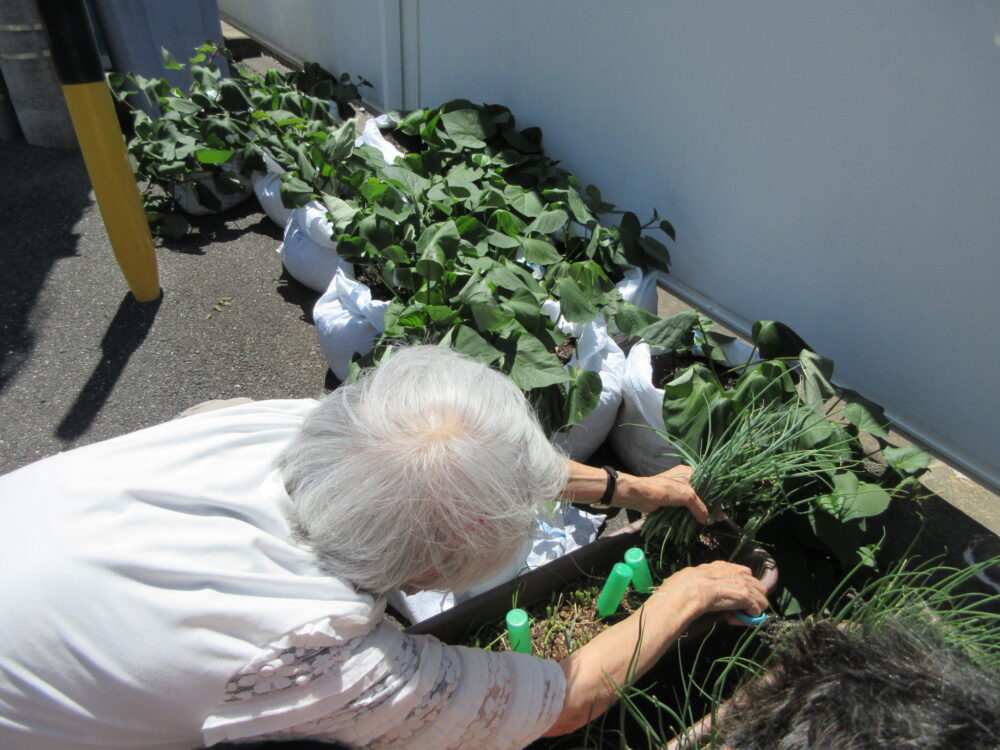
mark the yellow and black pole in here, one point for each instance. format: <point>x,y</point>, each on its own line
<point>74,52</point>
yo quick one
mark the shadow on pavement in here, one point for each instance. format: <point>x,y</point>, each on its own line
<point>126,332</point>
<point>38,215</point>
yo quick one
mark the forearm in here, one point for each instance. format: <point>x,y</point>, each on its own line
<point>595,671</point>
<point>586,484</point>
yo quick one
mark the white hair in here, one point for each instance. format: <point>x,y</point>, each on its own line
<point>428,470</point>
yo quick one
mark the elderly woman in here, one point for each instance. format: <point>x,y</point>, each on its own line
<point>223,576</point>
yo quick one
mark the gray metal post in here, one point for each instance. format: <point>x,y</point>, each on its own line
<point>31,79</point>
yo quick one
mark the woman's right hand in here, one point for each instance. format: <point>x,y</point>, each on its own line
<point>718,587</point>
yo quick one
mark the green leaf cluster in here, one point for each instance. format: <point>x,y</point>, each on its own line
<point>470,233</point>
<point>217,131</point>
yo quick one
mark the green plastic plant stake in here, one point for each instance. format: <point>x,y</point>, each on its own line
<point>642,579</point>
<point>614,589</point>
<point>519,630</point>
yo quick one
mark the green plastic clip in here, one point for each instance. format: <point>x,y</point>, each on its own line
<point>614,589</point>
<point>519,630</point>
<point>642,579</point>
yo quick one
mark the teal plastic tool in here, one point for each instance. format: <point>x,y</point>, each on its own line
<point>750,619</point>
<point>642,579</point>
<point>519,630</point>
<point>614,589</point>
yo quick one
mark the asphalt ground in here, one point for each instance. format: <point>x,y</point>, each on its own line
<point>81,361</point>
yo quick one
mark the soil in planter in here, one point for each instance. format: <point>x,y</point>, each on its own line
<point>561,625</point>
<point>566,350</point>
<point>668,365</point>
<point>569,619</point>
<point>367,275</point>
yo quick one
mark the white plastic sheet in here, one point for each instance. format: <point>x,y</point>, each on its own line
<point>555,535</point>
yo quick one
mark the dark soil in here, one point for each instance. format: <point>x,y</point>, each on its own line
<point>566,350</point>
<point>669,365</point>
<point>367,275</point>
<point>569,619</point>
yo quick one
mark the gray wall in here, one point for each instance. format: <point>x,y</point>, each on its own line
<point>831,165</point>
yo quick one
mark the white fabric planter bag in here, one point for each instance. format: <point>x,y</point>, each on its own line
<point>639,288</point>
<point>308,251</point>
<point>372,136</point>
<point>187,197</point>
<point>634,435</point>
<point>348,321</point>
<point>553,535</point>
<point>267,188</point>
<point>595,351</point>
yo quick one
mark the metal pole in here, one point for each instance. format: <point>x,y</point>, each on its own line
<point>78,63</point>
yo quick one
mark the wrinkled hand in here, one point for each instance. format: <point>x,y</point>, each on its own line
<point>671,488</point>
<point>718,587</point>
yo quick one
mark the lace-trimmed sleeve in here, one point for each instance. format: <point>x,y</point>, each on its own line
<point>389,690</point>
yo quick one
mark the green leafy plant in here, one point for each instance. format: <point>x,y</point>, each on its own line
<point>318,82</point>
<point>210,138</point>
<point>471,233</point>
<point>195,143</point>
<point>820,515</point>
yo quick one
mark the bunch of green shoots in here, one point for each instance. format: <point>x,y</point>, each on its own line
<point>748,471</point>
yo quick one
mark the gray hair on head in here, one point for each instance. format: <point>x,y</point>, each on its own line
<point>428,470</point>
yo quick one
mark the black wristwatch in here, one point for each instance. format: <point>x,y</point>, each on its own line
<point>605,502</point>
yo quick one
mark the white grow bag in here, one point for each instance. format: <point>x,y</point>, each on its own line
<point>634,435</point>
<point>187,196</point>
<point>639,288</point>
<point>348,321</point>
<point>267,188</point>
<point>308,251</point>
<point>595,351</point>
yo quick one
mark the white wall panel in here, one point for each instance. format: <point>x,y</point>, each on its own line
<point>343,36</point>
<point>831,165</point>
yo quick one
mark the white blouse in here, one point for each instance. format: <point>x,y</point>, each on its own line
<point>152,597</point>
<point>387,690</point>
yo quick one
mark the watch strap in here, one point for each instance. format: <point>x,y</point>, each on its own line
<point>609,491</point>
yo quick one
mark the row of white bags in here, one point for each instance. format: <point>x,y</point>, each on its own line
<point>348,322</point>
